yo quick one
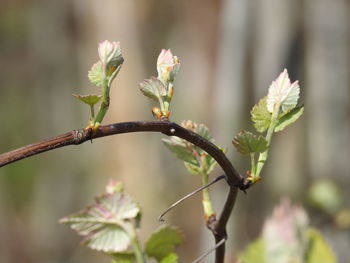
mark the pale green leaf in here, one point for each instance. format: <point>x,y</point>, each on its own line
<point>90,99</point>
<point>203,131</point>
<point>105,224</point>
<point>153,88</point>
<point>194,157</point>
<point>289,118</point>
<point>96,74</point>
<point>319,251</point>
<point>282,93</point>
<point>254,253</point>
<point>193,169</point>
<point>171,258</point>
<point>246,142</point>
<point>261,116</point>
<point>163,242</point>
<point>181,149</point>
<point>108,239</point>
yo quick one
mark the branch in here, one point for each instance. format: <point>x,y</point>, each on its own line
<point>75,137</point>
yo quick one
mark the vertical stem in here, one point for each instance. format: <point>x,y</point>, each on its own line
<point>104,104</point>
<point>92,110</point>
<point>263,156</point>
<point>136,246</point>
<point>207,204</point>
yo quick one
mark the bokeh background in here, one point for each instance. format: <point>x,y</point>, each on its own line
<point>230,52</point>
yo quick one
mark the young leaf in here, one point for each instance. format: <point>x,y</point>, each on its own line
<point>289,118</point>
<point>153,88</point>
<point>190,153</point>
<point>203,131</point>
<point>105,224</point>
<point>96,74</point>
<point>192,169</point>
<point>261,116</point>
<point>163,242</point>
<point>319,251</point>
<point>181,150</point>
<point>283,93</point>
<point>90,99</point>
<point>246,142</point>
<point>171,258</point>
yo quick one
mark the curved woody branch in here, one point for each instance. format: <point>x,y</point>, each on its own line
<point>75,137</point>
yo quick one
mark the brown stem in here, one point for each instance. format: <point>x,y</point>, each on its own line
<point>75,137</point>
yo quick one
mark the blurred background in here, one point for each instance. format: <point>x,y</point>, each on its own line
<point>230,51</point>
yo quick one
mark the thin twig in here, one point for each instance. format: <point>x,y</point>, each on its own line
<point>75,137</point>
<point>189,195</point>
<point>166,127</point>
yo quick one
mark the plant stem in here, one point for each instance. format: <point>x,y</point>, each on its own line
<point>207,204</point>
<point>92,111</point>
<point>135,243</point>
<point>263,156</point>
<point>104,104</point>
<point>137,250</point>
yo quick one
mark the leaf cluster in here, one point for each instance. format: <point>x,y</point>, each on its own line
<point>195,159</point>
<point>109,225</point>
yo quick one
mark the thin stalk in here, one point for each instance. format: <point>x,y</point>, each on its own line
<point>137,247</point>
<point>104,104</point>
<point>252,160</point>
<point>92,111</point>
<point>263,156</point>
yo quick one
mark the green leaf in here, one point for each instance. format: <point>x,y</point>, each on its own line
<point>203,131</point>
<point>246,142</point>
<point>181,149</point>
<point>90,99</point>
<point>193,169</point>
<point>171,258</point>
<point>194,157</point>
<point>254,253</point>
<point>261,116</point>
<point>96,74</point>
<point>123,257</point>
<point>289,118</point>
<point>319,251</point>
<point>106,223</point>
<point>163,242</point>
<point>153,88</point>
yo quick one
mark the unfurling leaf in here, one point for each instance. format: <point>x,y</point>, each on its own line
<point>289,118</point>
<point>168,66</point>
<point>261,116</point>
<point>246,142</point>
<point>162,243</point>
<point>282,93</point>
<point>110,54</point>
<point>106,224</point>
<point>90,99</point>
<point>153,88</point>
<point>96,74</point>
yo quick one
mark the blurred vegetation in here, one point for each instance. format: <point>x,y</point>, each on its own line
<point>230,51</point>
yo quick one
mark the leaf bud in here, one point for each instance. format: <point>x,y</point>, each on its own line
<point>157,113</point>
